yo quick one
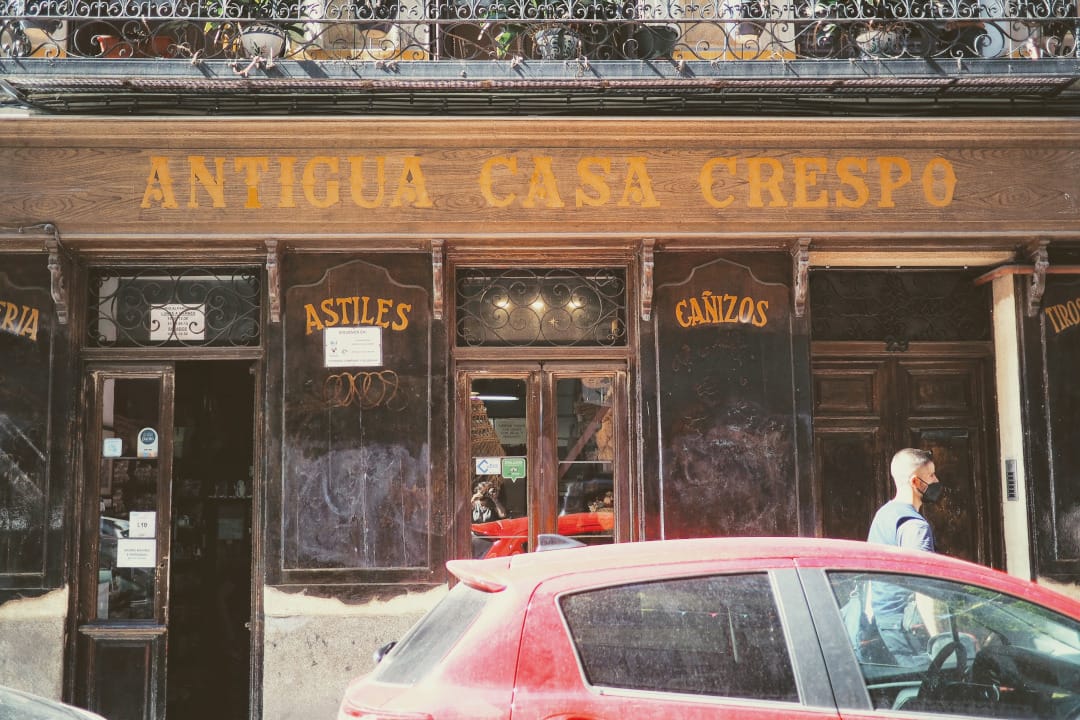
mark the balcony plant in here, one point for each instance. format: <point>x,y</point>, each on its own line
<point>557,29</point>
<point>251,27</point>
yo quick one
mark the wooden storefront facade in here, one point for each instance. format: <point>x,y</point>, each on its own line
<point>302,313</point>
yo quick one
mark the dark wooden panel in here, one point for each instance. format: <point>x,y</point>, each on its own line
<point>957,518</point>
<point>125,673</point>
<point>1059,499</point>
<point>27,347</point>
<point>357,491</point>
<point>727,418</point>
<point>849,465</point>
<point>931,397</point>
<point>846,392</point>
<point>939,391</point>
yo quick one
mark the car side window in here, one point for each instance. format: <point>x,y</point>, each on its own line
<point>930,645</point>
<point>718,635</point>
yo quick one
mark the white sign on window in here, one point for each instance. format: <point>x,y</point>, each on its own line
<point>136,553</point>
<point>352,347</point>
<point>178,321</point>
<point>511,431</point>
<point>488,465</point>
<point>142,524</point>
<point>113,448</point>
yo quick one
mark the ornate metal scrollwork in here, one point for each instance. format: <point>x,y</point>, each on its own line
<point>552,307</point>
<point>167,307</point>
<point>898,307</point>
<point>388,32</point>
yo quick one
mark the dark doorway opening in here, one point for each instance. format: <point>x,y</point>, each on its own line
<point>210,598</point>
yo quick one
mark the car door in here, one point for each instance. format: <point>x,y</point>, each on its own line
<point>687,641</point>
<point>999,647</point>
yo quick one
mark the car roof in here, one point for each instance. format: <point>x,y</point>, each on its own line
<point>532,568</point>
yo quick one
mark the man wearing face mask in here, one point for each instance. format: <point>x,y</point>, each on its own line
<point>900,523</point>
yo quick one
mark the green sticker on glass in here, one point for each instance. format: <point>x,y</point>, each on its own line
<point>513,468</point>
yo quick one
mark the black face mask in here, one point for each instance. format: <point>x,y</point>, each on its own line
<point>933,492</point>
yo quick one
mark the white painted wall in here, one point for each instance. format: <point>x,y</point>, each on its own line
<point>1010,426</point>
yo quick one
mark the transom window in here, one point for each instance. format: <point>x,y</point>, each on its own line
<point>170,307</point>
<point>546,307</point>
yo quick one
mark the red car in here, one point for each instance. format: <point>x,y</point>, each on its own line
<point>500,538</point>
<point>741,628</point>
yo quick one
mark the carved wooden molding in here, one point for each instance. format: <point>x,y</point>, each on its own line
<point>1041,261</point>
<point>800,254</point>
<point>58,284</point>
<point>647,246</point>
<point>437,279</point>
<point>273,281</point>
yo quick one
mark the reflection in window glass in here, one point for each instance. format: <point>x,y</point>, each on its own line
<point>586,456</point>
<point>429,640</point>
<point>718,635</point>
<point>984,654</point>
<point>498,453</point>
<point>127,559</point>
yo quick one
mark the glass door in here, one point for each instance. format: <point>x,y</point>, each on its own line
<point>545,453</point>
<point>123,598</point>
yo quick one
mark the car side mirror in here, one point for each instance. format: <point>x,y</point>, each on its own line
<point>381,652</point>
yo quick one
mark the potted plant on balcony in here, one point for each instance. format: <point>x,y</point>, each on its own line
<point>558,29</point>
<point>897,28</point>
<point>251,28</point>
<point>829,33</point>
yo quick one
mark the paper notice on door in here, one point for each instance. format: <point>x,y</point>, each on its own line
<point>136,553</point>
<point>142,524</point>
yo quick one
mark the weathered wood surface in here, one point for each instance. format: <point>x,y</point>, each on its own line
<point>984,183</point>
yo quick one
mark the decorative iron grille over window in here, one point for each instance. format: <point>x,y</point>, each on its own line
<point>169,307</point>
<point>898,307</point>
<point>541,307</point>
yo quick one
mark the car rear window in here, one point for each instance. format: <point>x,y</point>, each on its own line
<point>431,638</point>
<point>719,635</point>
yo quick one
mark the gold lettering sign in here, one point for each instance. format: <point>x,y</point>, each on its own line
<point>356,310</point>
<point>533,181</point>
<point>19,320</point>
<point>1064,315</point>
<point>720,308</point>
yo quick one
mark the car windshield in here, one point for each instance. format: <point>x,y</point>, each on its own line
<point>431,638</point>
<point>938,646</point>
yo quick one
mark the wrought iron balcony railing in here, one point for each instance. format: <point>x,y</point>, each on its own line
<point>398,31</point>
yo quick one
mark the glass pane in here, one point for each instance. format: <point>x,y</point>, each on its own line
<point>959,649</point>
<point>499,487</point>
<point>586,445</point>
<point>164,307</point>
<point>717,636</point>
<point>541,307</point>
<point>127,549</point>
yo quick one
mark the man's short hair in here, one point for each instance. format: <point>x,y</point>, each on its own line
<point>906,463</point>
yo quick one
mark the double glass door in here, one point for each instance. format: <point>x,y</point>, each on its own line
<point>544,452</point>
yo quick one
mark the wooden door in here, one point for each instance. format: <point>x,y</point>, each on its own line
<point>868,404</point>
<point>546,446</point>
<point>122,610</point>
